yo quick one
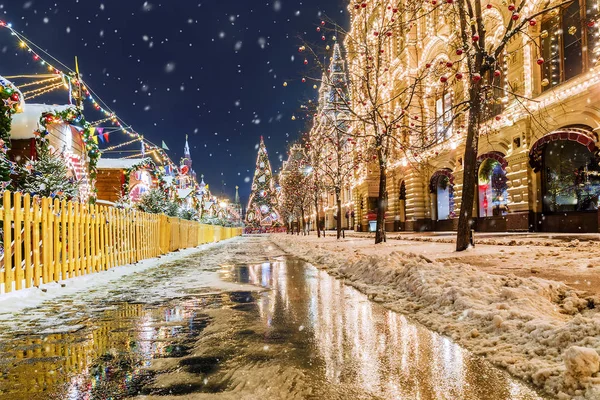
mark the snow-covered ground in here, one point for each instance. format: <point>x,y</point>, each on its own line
<point>541,330</point>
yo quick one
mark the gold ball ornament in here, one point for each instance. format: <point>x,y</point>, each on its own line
<point>284,84</point>
<point>293,117</point>
<point>314,86</point>
<point>572,30</point>
<point>545,82</point>
<point>327,47</point>
<point>544,34</point>
<point>334,38</point>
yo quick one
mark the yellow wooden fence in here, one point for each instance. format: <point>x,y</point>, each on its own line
<point>48,240</point>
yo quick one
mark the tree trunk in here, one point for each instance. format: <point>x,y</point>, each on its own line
<point>469,172</point>
<point>338,201</point>
<point>382,199</point>
<point>303,227</point>
<point>318,228</point>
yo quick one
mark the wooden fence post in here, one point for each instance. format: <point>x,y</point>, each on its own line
<point>27,231</point>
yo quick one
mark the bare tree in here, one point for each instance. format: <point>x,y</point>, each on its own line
<point>374,117</point>
<point>296,187</point>
<point>480,46</point>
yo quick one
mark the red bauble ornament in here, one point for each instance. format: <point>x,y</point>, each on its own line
<point>318,29</point>
<point>498,118</point>
<point>532,22</point>
<point>363,5</point>
<point>375,33</point>
<point>476,77</point>
<point>323,37</point>
<point>475,38</point>
<point>303,80</point>
<point>511,7</point>
<point>389,34</point>
<point>428,65</point>
<point>305,62</point>
<point>14,96</point>
<point>515,16</point>
<point>459,76</point>
<point>591,24</point>
<point>394,10</point>
<point>488,6</point>
<point>449,64</point>
<point>540,61</point>
<point>322,23</point>
<point>459,52</point>
<point>497,73</point>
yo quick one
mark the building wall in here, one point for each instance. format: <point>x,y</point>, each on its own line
<point>513,135</point>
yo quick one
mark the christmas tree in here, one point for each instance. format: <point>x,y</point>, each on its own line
<point>48,176</point>
<point>262,205</point>
<point>6,168</point>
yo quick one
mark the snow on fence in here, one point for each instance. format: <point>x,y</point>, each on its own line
<point>48,240</point>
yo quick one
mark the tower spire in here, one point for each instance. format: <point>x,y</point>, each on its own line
<point>186,148</point>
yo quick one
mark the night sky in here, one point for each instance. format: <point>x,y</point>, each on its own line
<point>212,69</point>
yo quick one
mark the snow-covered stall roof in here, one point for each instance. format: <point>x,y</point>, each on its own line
<point>117,163</point>
<point>183,193</point>
<point>28,121</point>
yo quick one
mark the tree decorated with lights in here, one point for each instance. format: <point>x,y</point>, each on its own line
<point>262,205</point>
<point>10,103</point>
<point>367,121</point>
<point>296,187</point>
<point>7,168</point>
<point>332,132</point>
<point>48,176</point>
<point>471,81</point>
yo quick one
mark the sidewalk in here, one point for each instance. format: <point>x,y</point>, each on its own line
<point>573,259</point>
<point>481,237</point>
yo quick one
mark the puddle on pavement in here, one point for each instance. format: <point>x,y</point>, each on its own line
<point>308,336</point>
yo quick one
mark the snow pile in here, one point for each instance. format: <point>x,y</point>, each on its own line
<point>521,324</point>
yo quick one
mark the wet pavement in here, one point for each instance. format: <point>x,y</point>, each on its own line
<point>306,335</point>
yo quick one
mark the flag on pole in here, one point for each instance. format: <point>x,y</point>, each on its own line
<point>164,145</point>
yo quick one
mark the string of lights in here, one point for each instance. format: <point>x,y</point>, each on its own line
<point>36,92</point>
<point>114,147</point>
<point>70,77</point>
<point>40,82</point>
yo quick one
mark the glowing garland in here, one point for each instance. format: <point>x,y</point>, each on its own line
<point>73,117</point>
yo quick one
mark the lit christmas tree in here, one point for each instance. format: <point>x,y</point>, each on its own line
<point>262,205</point>
<point>48,176</point>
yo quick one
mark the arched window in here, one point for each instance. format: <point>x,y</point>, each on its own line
<point>442,189</point>
<point>492,188</point>
<point>570,176</point>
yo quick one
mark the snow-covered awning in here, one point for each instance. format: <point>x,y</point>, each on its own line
<point>117,163</point>
<point>28,121</point>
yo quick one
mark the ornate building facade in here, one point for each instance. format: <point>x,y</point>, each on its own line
<point>538,154</point>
